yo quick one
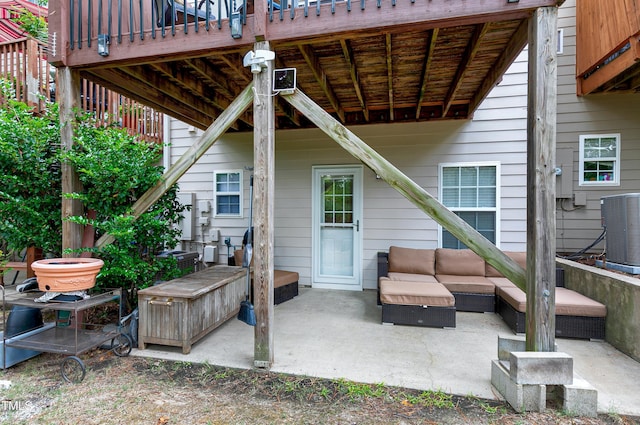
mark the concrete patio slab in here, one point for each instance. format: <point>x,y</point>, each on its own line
<point>338,334</point>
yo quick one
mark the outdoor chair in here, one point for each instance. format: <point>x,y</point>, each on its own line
<point>170,11</point>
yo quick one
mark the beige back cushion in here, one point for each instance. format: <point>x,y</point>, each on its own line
<point>461,262</point>
<point>518,257</point>
<point>410,260</point>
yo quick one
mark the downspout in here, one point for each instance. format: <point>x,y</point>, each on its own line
<point>166,141</point>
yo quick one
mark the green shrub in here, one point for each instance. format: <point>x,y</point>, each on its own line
<point>30,189</point>
<point>115,169</point>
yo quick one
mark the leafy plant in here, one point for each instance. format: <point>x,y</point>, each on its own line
<point>115,169</point>
<point>34,25</point>
<point>431,398</point>
<point>30,189</point>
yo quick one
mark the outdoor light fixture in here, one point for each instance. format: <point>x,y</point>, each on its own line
<point>103,44</point>
<point>513,1</point>
<point>258,60</point>
<point>236,25</point>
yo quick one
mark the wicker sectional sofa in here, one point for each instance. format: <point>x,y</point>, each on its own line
<point>425,287</point>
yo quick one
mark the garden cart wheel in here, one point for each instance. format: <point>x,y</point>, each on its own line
<point>73,369</point>
<point>121,345</point>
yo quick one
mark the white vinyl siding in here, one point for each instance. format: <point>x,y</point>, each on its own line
<point>599,160</point>
<point>471,191</point>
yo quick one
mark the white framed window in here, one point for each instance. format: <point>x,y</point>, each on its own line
<point>599,160</point>
<point>227,193</point>
<point>472,192</point>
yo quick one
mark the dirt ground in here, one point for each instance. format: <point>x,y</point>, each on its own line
<point>131,390</point>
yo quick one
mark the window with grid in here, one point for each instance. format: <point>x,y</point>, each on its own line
<point>227,193</point>
<point>471,192</point>
<point>600,160</point>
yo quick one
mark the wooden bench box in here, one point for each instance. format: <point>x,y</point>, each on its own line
<point>181,311</point>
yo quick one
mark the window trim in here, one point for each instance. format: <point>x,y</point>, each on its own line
<point>240,194</point>
<point>616,166</point>
<point>495,209</point>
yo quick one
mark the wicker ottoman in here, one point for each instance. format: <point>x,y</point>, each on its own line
<point>417,304</point>
<point>285,285</point>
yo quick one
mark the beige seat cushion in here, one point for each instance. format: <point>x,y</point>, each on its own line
<point>415,293</point>
<point>467,284</point>
<point>515,297</point>
<point>409,260</point>
<point>284,277</point>
<point>518,257</point>
<point>568,302</point>
<point>412,277</point>
<point>501,282</point>
<point>458,262</point>
<point>572,303</point>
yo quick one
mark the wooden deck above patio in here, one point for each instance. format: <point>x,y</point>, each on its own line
<point>608,46</point>
<point>363,61</point>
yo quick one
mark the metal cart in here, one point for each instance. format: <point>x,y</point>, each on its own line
<point>70,335</point>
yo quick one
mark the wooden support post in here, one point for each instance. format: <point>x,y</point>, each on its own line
<point>541,179</point>
<point>69,99</point>
<point>260,17</point>
<point>408,188</point>
<point>263,201</point>
<point>195,151</point>
<point>33,254</point>
<point>32,82</point>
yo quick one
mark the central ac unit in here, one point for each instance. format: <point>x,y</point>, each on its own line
<point>621,218</point>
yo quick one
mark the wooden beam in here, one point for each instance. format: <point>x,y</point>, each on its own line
<point>465,62</point>
<point>144,77</point>
<point>389,60</point>
<point>541,179</point>
<point>219,97</point>
<point>424,78</point>
<point>611,70</point>
<point>504,61</point>
<point>627,82</point>
<point>408,188</point>
<point>151,98</point>
<point>263,219</point>
<point>403,14</point>
<point>314,64</point>
<point>347,51</point>
<point>69,99</point>
<point>234,62</point>
<point>190,157</point>
<point>387,18</point>
<point>205,70</point>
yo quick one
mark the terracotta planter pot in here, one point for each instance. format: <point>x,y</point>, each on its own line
<point>66,274</point>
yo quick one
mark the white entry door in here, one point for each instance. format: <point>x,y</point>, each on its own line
<point>337,228</point>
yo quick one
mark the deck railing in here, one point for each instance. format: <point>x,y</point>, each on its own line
<point>124,21</point>
<point>23,64</point>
